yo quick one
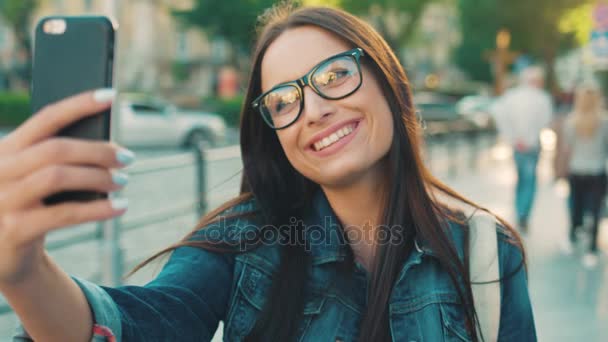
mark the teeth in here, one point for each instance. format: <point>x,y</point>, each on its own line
<point>325,142</point>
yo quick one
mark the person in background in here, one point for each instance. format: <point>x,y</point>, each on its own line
<point>586,145</point>
<point>520,115</point>
<point>560,160</point>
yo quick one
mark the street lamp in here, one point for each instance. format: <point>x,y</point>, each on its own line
<point>503,39</point>
<point>501,58</point>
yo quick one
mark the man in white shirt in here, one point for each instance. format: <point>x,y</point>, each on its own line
<point>520,115</point>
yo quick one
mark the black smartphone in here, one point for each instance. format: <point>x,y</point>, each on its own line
<point>73,54</point>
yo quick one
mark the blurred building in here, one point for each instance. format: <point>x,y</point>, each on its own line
<point>155,52</point>
<point>7,56</point>
<point>430,50</point>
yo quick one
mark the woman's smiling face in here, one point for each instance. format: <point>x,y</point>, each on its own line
<point>334,142</point>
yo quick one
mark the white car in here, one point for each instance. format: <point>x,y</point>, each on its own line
<point>477,108</point>
<point>146,122</point>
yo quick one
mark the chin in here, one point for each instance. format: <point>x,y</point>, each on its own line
<point>340,175</point>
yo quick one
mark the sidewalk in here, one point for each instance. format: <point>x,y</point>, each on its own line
<point>570,302</point>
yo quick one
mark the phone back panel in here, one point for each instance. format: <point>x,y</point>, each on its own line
<point>77,60</point>
<point>69,63</point>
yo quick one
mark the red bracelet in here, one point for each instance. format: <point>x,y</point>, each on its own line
<point>100,330</point>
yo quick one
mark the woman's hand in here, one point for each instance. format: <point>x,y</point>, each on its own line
<point>35,164</point>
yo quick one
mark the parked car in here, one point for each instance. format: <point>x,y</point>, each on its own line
<point>435,107</point>
<point>152,122</point>
<point>477,108</point>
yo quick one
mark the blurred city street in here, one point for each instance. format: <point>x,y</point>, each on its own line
<point>181,71</point>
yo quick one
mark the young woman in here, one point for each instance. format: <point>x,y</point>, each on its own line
<point>338,234</point>
<point>586,141</point>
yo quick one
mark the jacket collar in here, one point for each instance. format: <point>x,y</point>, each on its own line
<point>325,238</point>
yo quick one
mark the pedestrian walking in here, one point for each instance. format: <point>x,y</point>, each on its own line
<point>338,233</point>
<point>586,147</point>
<point>521,114</point>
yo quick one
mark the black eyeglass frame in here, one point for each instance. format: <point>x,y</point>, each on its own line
<point>305,80</point>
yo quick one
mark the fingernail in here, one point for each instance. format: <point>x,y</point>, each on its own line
<point>119,178</point>
<point>125,157</point>
<point>119,203</point>
<point>104,95</point>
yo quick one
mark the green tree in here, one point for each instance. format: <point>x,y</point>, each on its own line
<point>18,15</point>
<point>396,20</point>
<point>534,27</point>
<point>221,18</point>
<point>479,26</point>
<point>578,21</point>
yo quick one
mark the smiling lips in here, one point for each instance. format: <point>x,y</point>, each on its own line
<point>334,137</point>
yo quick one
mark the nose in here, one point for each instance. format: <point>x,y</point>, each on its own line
<point>316,109</point>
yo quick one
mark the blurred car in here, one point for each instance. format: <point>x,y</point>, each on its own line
<point>152,122</point>
<point>435,107</point>
<point>477,109</point>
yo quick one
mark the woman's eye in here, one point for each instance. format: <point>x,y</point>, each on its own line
<point>279,106</point>
<point>285,101</point>
<point>341,73</point>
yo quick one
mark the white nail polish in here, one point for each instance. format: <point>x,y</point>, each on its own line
<point>119,178</point>
<point>104,95</point>
<point>119,203</point>
<point>125,157</point>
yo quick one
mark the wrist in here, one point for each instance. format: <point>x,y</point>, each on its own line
<point>40,265</point>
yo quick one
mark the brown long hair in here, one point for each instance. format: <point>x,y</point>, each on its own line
<point>587,112</point>
<point>282,192</point>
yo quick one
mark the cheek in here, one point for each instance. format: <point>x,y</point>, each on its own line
<point>289,142</point>
<point>384,131</point>
<point>375,105</point>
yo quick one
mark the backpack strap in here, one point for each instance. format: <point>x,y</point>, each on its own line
<point>483,266</point>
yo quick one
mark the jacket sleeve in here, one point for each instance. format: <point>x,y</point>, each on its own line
<point>516,316</point>
<point>185,302</point>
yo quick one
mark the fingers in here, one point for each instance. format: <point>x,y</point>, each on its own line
<point>31,190</point>
<point>24,227</point>
<point>52,118</point>
<point>63,151</point>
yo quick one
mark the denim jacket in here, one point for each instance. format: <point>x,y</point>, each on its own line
<point>198,288</point>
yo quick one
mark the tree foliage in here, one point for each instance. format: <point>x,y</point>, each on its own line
<point>235,21</point>
<point>231,20</point>
<point>578,21</point>
<point>534,27</point>
<point>18,15</point>
<point>396,20</point>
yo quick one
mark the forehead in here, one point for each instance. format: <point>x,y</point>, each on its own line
<point>295,52</point>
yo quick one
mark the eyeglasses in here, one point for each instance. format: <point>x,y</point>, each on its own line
<point>334,78</point>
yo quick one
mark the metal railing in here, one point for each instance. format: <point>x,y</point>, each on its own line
<point>113,259</point>
<point>446,133</point>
